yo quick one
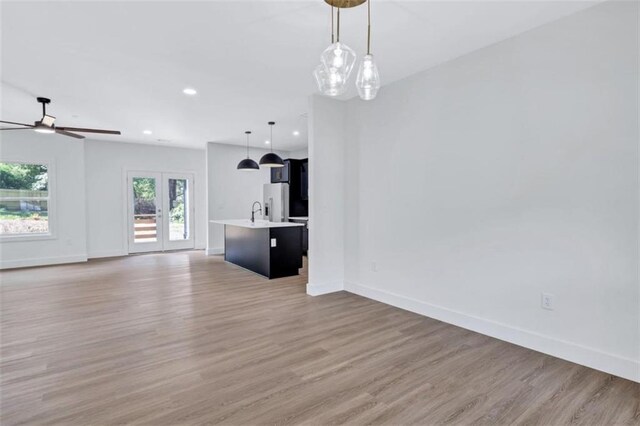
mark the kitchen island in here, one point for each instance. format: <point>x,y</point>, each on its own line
<point>271,249</point>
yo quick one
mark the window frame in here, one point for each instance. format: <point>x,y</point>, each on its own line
<point>51,202</point>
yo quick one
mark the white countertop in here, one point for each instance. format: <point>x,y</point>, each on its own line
<point>259,224</point>
<point>299,217</point>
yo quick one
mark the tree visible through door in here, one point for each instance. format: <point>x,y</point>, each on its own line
<point>178,211</point>
<point>144,206</point>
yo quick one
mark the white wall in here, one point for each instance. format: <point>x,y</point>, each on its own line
<point>106,166</point>
<point>299,154</point>
<point>231,191</point>
<point>326,195</point>
<point>503,174</point>
<point>66,155</point>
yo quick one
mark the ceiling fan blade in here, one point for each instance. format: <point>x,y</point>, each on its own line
<point>15,128</point>
<point>79,129</point>
<point>73,135</point>
<point>18,124</point>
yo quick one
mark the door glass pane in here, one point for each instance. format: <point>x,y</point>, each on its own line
<point>144,210</point>
<point>178,209</point>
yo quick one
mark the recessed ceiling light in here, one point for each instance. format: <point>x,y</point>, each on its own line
<point>267,142</point>
<point>147,132</point>
<point>189,91</point>
<point>296,133</point>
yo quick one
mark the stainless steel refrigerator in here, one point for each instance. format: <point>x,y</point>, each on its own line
<point>275,198</point>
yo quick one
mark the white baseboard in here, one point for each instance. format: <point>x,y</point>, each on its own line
<point>213,251</point>
<point>590,357</point>
<point>108,253</point>
<point>320,289</point>
<point>42,261</point>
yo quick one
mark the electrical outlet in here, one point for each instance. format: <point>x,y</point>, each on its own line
<point>374,267</point>
<point>547,301</point>
<point>273,242</point>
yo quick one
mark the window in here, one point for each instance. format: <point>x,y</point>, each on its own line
<point>24,199</point>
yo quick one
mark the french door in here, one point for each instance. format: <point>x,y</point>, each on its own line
<point>160,211</point>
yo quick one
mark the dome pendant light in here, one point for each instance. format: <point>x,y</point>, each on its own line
<point>270,159</point>
<point>338,60</point>
<point>248,164</point>
<point>368,79</point>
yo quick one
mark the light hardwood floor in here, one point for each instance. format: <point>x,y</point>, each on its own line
<point>182,338</point>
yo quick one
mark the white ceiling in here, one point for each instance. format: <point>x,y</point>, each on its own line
<point>123,65</point>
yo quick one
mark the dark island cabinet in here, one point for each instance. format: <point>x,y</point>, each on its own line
<point>270,252</point>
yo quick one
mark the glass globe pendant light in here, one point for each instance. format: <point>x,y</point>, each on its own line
<point>248,164</point>
<point>271,159</point>
<point>329,83</point>
<point>368,79</point>
<point>338,60</point>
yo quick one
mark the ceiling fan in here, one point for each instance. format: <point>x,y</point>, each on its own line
<point>46,125</point>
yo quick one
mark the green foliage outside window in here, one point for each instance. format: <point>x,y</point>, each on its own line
<point>24,198</point>
<point>32,177</point>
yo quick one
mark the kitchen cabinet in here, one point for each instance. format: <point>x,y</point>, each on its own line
<point>304,179</point>
<point>305,232</point>
<point>295,173</point>
<point>271,249</point>
<point>281,174</point>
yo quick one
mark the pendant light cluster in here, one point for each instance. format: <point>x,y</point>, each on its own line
<point>270,159</point>
<point>338,60</point>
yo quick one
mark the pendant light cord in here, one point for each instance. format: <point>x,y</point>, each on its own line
<point>271,139</point>
<point>368,27</point>
<point>332,31</point>
<point>338,32</point>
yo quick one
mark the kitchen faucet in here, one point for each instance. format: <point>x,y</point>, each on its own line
<point>253,219</point>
